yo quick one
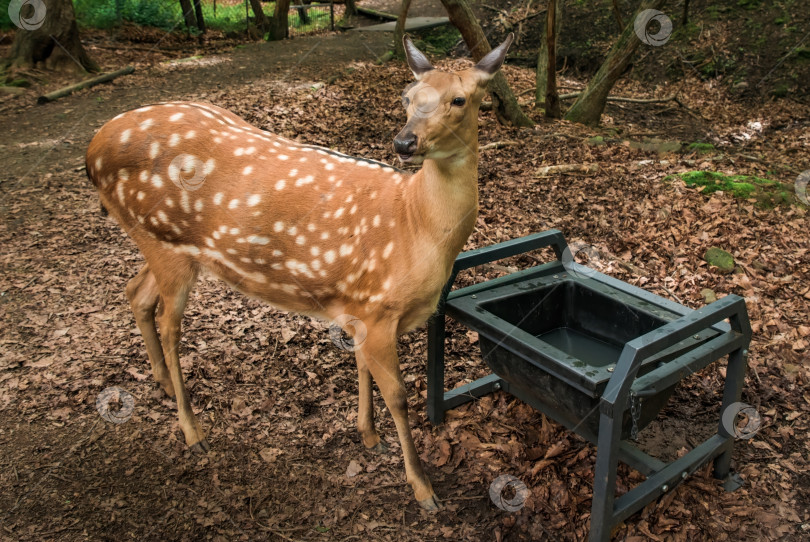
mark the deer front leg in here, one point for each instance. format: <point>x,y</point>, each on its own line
<point>365,410</point>
<point>379,354</point>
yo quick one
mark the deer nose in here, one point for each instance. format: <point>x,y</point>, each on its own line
<point>405,143</point>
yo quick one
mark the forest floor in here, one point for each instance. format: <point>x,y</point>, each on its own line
<point>276,396</point>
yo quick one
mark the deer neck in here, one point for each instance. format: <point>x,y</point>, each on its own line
<point>442,200</point>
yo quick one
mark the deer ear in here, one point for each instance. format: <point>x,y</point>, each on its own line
<point>493,60</point>
<point>417,61</point>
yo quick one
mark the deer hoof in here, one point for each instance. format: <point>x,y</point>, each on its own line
<point>201,447</point>
<point>379,449</point>
<point>431,504</point>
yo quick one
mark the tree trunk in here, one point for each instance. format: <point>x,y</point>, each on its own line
<point>591,103</point>
<point>399,29</point>
<point>504,102</point>
<point>545,96</point>
<point>279,24</point>
<point>199,14</point>
<point>55,44</point>
<point>262,21</point>
<point>351,9</point>
<point>188,14</point>
<point>617,14</point>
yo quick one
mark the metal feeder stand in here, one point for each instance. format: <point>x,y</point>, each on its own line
<point>597,355</point>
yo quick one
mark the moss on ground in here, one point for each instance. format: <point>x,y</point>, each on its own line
<point>767,193</point>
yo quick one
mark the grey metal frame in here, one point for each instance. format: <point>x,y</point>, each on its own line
<point>607,511</point>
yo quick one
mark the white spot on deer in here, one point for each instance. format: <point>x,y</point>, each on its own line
<point>375,298</point>
<point>98,163</point>
<point>169,202</point>
<point>373,195</point>
<point>278,253</point>
<point>258,240</point>
<point>325,235</point>
<point>218,198</point>
<point>198,218</point>
<point>293,172</point>
<point>125,135</point>
<point>280,184</point>
<point>157,182</point>
<point>231,251</point>
<point>239,151</point>
<point>300,240</point>
<point>315,264</point>
<point>207,114</point>
<point>145,125</point>
<point>176,117</point>
<point>234,231</point>
<point>244,259</point>
<point>208,167</point>
<point>144,176</point>
<point>123,174</point>
<point>283,157</point>
<point>154,149</point>
<point>174,140</point>
<point>387,250</point>
<point>332,178</point>
<point>248,170</point>
<point>250,150</point>
<point>350,198</point>
<point>240,240</point>
<point>310,227</point>
<point>353,209</point>
<point>314,251</point>
<point>198,205</point>
<point>345,249</point>
<point>327,214</point>
<point>234,203</point>
<point>372,263</point>
<point>217,255</point>
<point>339,212</point>
<point>259,261</point>
<point>292,230</point>
<point>189,249</point>
<point>140,196</point>
<point>329,256</point>
<point>162,217</point>
<point>190,134</point>
<point>121,193</point>
<point>184,202</point>
<point>254,200</point>
<point>278,226</point>
<point>329,166</point>
<point>305,180</point>
<point>154,221</point>
<point>217,140</point>
<point>223,229</point>
<point>216,235</point>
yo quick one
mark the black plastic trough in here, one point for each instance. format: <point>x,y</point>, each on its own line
<point>597,355</point>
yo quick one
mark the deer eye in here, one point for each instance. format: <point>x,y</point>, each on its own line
<point>458,102</point>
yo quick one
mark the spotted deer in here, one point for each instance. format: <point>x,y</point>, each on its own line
<point>304,228</point>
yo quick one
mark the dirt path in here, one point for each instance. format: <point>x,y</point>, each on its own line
<point>36,138</point>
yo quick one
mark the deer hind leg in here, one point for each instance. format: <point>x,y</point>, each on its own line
<point>379,354</point>
<point>143,295</point>
<point>175,284</point>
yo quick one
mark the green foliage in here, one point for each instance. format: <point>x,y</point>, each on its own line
<point>701,147</point>
<point>438,41</point>
<point>165,14</point>
<point>766,192</point>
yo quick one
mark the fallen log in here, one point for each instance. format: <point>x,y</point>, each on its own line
<point>55,95</point>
